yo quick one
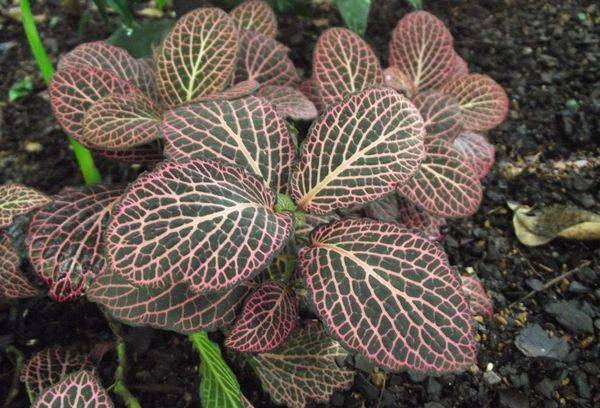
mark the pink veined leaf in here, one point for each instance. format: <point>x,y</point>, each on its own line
<point>64,241</point>
<point>422,48</point>
<point>106,57</point>
<point>479,153</point>
<point>13,283</point>
<point>304,369</point>
<point>358,151</point>
<point>445,184</point>
<point>79,389</point>
<point>390,295</point>
<point>198,56</point>
<point>392,208</point>
<point>480,302</point>
<point>119,122</point>
<point>483,102</point>
<point>312,221</point>
<point>289,102</point>
<point>255,15</point>
<point>148,154</point>
<point>398,81</point>
<point>199,221</point>
<point>309,89</point>
<point>385,209</point>
<point>264,60</point>
<point>268,318</point>
<point>74,90</point>
<point>343,63</point>
<point>441,114</point>
<point>460,68</point>
<point>176,307</point>
<point>246,132</point>
<point>412,216</point>
<point>17,200</point>
<point>239,90</point>
<point>49,366</point>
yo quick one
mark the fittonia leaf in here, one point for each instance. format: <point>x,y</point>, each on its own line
<point>50,365</point>
<point>441,114</point>
<point>393,208</point>
<point>17,200</point>
<point>343,63</point>
<point>477,151</point>
<point>79,389</point>
<point>64,241</point>
<point>445,184</point>
<point>398,80</point>
<point>176,307</point>
<point>13,282</point>
<point>358,151</point>
<point>479,301</point>
<point>120,122</point>
<point>206,223</point>
<point>150,153</point>
<point>255,15</point>
<point>198,56</point>
<point>74,90</point>
<point>422,48</point>
<point>289,102</point>
<point>390,295</point>
<point>264,60</point>
<point>483,102</point>
<point>309,89</point>
<point>304,369</point>
<point>268,318</point>
<point>246,132</point>
<point>106,57</point>
<point>460,67</point>
<point>239,90</point>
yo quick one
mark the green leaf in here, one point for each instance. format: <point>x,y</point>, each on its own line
<point>142,38</point>
<point>218,386</point>
<point>20,89</point>
<point>355,14</point>
<point>161,4</point>
<point>416,4</point>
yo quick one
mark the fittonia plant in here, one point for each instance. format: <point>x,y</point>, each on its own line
<point>239,227</point>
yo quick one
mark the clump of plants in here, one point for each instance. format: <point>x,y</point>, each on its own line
<point>242,224</point>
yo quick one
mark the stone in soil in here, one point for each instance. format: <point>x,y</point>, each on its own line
<point>570,316</point>
<point>533,341</point>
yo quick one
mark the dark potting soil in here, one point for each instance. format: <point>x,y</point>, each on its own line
<point>546,54</point>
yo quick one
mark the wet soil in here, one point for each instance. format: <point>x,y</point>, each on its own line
<point>546,54</point>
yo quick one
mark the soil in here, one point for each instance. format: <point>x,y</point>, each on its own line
<point>546,54</point>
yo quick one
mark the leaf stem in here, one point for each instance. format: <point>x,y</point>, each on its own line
<point>18,363</point>
<point>84,157</point>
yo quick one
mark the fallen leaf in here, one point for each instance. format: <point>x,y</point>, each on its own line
<point>538,227</point>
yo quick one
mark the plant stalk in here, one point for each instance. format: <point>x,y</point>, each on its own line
<point>119,387</point>
<point>18,363</point>
<point>84,157</point>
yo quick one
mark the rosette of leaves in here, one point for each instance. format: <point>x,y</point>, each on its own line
<point>186,240</point>
<point>114,103</point>
<point>452,103</point>
<point>187,246</point>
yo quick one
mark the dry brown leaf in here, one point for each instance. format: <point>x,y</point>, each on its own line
<point>538,227</point>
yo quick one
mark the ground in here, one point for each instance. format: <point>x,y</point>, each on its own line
<point>546,54</point>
